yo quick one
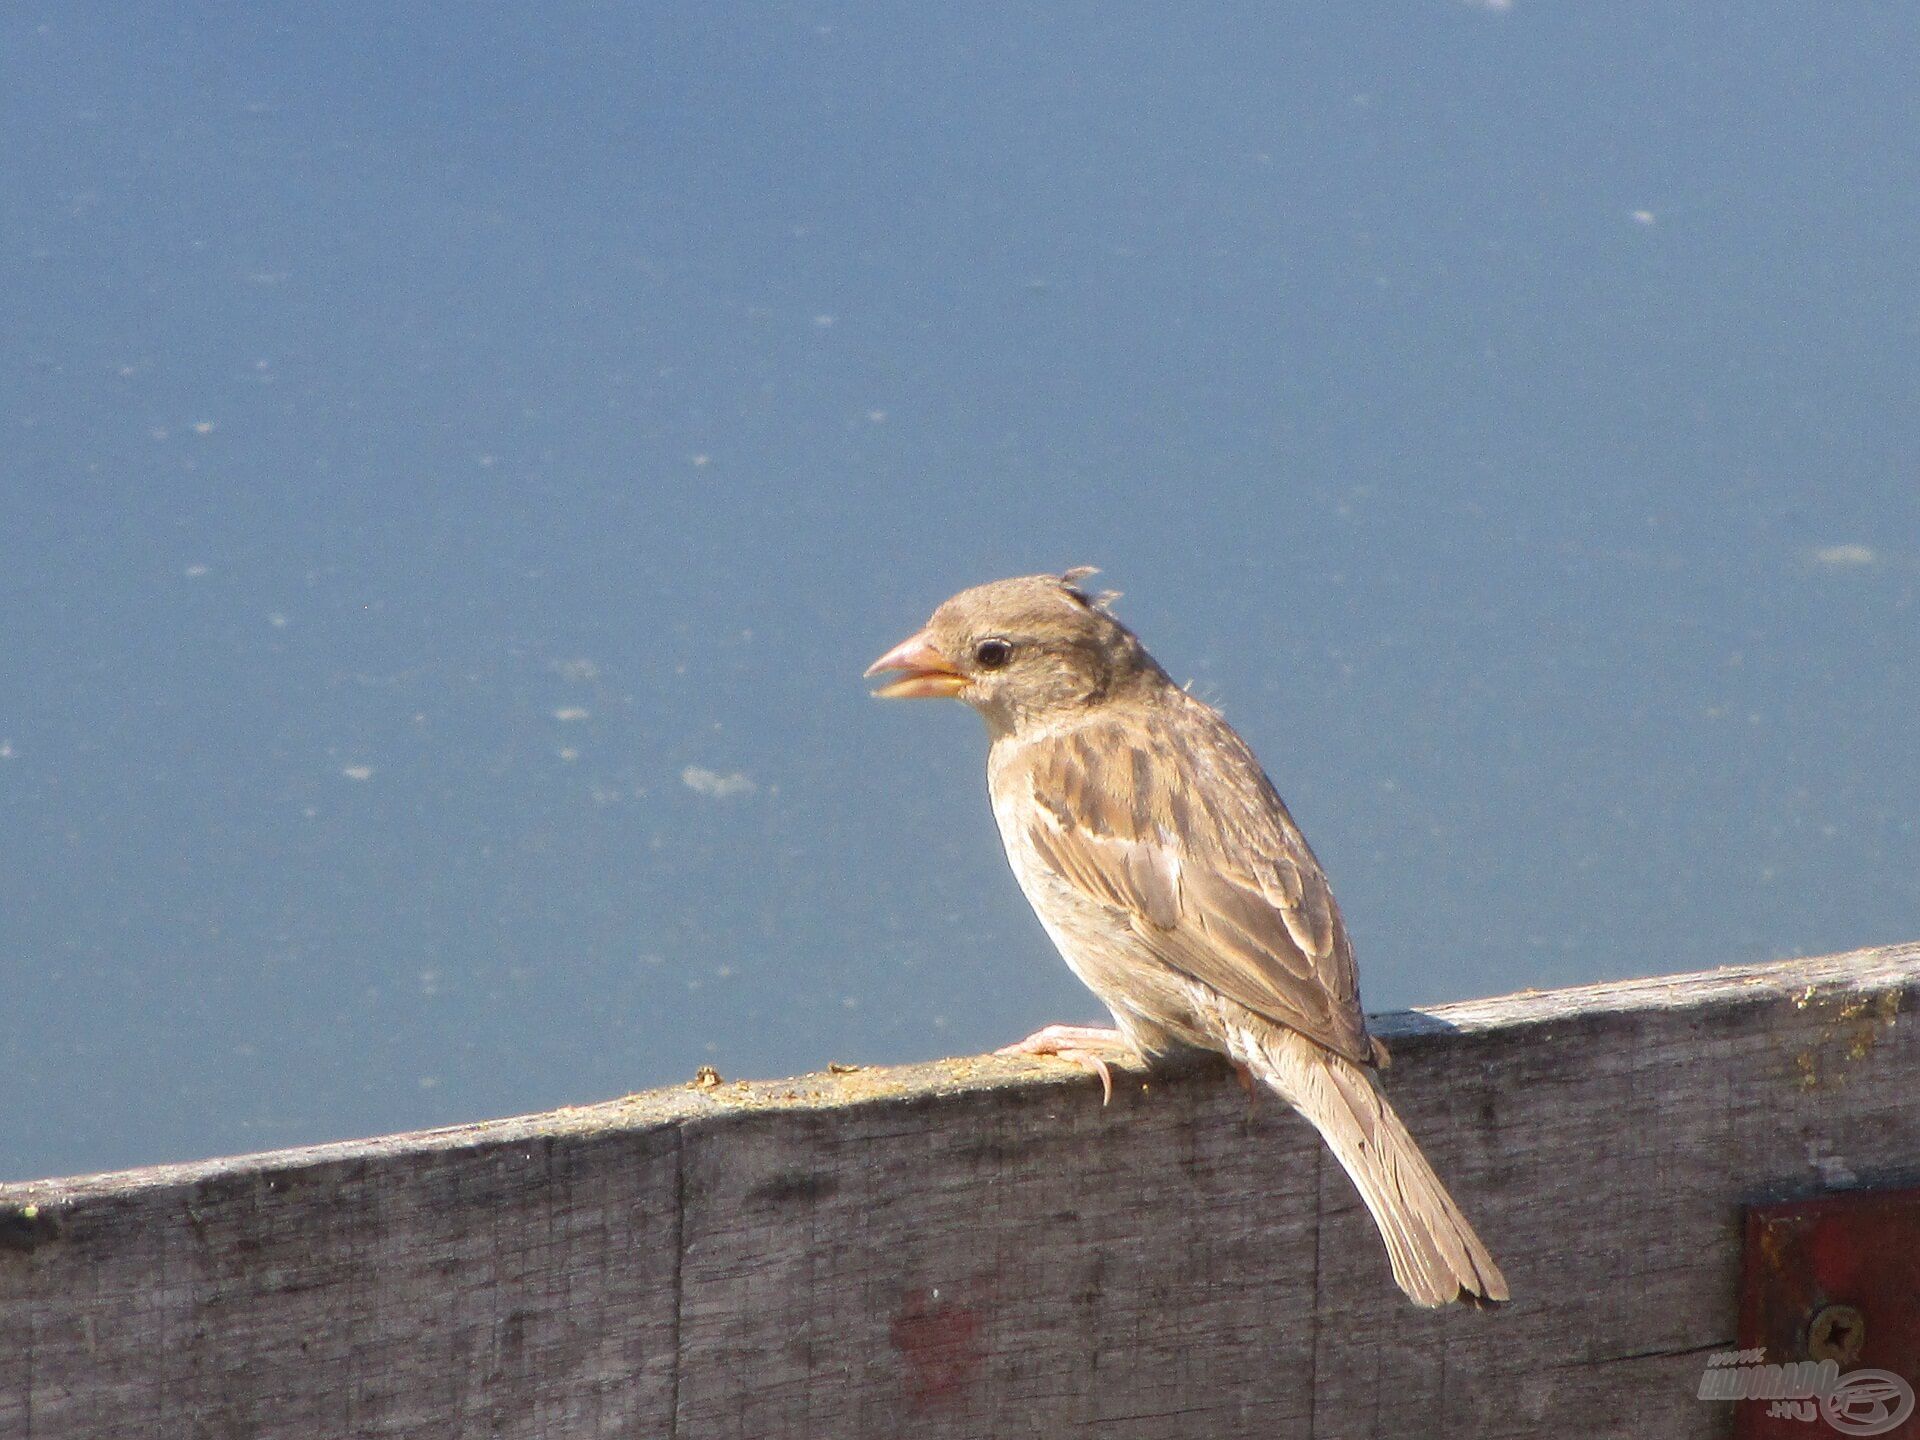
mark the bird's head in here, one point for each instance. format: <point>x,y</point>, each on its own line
<point>1022,652</point>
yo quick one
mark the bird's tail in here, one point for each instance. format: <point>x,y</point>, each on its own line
<point>1436,1256</point>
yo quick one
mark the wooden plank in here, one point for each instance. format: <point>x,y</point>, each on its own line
<point>978,1247</point>
<point>991,1262</point>
<point>518,1286</point>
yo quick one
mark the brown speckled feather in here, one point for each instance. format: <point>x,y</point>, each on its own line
<point>1163,814</point>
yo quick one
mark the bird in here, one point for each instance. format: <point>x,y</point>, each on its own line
<point>1166,869</point>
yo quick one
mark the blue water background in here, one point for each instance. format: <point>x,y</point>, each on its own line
<point>456,461</point>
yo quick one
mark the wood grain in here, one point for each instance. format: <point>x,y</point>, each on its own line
<point>978,1248</point>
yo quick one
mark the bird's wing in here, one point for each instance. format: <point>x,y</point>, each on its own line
<point>1169,819</point>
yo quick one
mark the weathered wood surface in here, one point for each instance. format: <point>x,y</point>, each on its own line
<point>978,1248</point>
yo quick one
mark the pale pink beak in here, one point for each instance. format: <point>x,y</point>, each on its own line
<point>928,675</point>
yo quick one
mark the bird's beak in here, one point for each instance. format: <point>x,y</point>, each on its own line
<point>927,674</point>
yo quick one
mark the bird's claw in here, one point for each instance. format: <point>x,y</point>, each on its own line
<point>1073,1043</point>
<point>1097,1066</point>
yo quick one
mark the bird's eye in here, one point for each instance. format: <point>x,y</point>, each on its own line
<point>992,654</point>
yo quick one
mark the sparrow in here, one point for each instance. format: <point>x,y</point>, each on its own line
<point>1165,868</point>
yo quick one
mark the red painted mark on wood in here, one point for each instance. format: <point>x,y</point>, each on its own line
<point>939,1343</point>
<point>1858,1251</point>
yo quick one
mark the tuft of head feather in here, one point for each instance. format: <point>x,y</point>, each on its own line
<point>1070,581</point>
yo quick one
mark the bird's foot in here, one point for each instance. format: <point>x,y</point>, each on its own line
<point>1080,1044</point>
<point>1245,1077</point>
